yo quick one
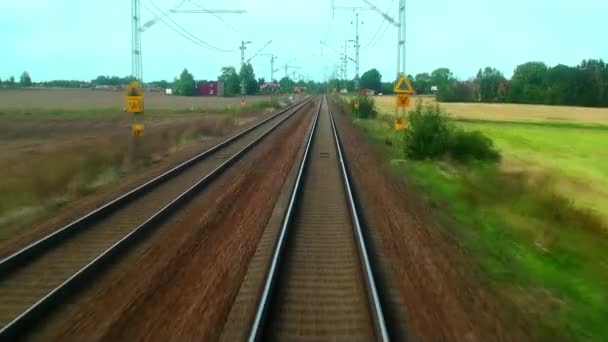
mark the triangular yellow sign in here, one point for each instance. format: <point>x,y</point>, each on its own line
<point>134,89</point>
<point>399,87</point>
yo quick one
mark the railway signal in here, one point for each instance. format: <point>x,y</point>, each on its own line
<point>134,101</point>
<point>403,95</point>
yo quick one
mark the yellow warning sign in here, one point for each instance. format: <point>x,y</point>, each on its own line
<point>137,130</point>
<point>403,86</point>
<point>403,100</point>
<point>134,98</point>
<point>135,104</point>
<point>399,124</point>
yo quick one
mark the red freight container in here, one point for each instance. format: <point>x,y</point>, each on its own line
<point>211,88</point>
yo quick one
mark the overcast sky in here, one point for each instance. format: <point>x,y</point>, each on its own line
<point>78,39</point>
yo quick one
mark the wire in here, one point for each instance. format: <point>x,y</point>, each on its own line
<point>215,15</point>
<point>381,36</point>
<point>373,43</point>
<point>333,12</point>
<point>185,33</point>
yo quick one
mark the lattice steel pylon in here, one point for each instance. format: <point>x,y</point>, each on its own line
<point>136,58</point>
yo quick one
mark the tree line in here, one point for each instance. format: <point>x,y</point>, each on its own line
<point>24,81</point>
<point>533,83</point>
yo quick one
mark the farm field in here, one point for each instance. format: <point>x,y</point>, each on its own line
<point>64,145</point>
<point>535,225</point>
<point>567,145</point>
<point>572,159</point>
<point>509,112</point>
<point>54,101</point>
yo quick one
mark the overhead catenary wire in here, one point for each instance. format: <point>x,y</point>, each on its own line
<point>217,16</point>
<point>372,42</point>
<point>181,30</point>
<point>380,38</point>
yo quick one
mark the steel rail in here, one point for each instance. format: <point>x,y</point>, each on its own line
<point>23,255</point>
<point>257,327</point>
<point>271,276</point>
<point>374,298</point>
<point>18,325</point>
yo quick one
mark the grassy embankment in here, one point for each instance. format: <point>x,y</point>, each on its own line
<point>535,224</point>
<point>53,157</point>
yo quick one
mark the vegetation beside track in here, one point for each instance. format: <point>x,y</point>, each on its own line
<point>539,252</point>
<point>55,157</point>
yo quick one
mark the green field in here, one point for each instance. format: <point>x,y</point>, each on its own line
<point>573,157</point>
<point>535,224</point>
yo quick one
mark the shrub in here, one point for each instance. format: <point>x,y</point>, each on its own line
<point>430,135</point>
<point>457,92</point>
<point>472,145</point>
<point>367,106</point>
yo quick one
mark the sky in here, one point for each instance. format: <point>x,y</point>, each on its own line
<point>76,39</point>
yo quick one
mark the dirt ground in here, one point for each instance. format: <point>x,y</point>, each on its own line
<point>442,300</point>
<point>79,99</point>
<point>50,141</point>
<point>194,263</point>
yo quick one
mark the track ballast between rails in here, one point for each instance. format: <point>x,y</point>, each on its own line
<point>319,283</point>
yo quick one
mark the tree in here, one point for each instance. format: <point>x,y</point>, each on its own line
<point>441,77</point>
<point>561,85</point>
<point>231,81</point>
<point>372,79</point>
<point>528,83</point>
<point>11,81</point>
<point>388,88</point>
<point>423,83</point>
<point>286,83</point>
<point>247,77</point>
<point>113,81</point>
<point>25,80</point>
<point>490,81</point>
<point>457,91</point>
<point>160,84</point>
<point>185,85</point>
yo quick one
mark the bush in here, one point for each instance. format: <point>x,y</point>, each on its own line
<point>430,135</point>
<point>367,106</point>
<point>472,145</point>
<point>457,92</point>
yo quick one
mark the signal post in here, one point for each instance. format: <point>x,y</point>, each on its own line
<point>134,104</point>
<point>403,91</point>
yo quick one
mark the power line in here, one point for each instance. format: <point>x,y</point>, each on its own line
<point>217,16</point>
<point>373,43</point>
<point>380,38</point>
<point>185,33</point>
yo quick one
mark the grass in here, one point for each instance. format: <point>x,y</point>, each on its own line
<point>42,182</point>
<point>574,158</point>
<point>541,255</point>
<point>88,99</point>
<point>58,145</point>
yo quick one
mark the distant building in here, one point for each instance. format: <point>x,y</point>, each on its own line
<point>434,89</point>
<point>210,88</point>
<point>367,92</point>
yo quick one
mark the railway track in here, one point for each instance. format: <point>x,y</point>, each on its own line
<point>320,284</point>
<point>44,273</point>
